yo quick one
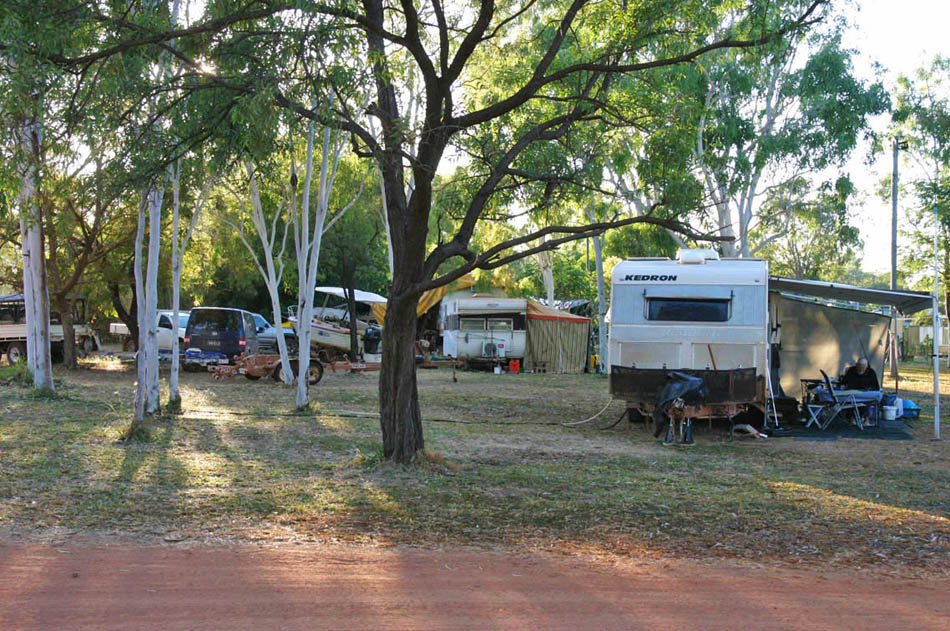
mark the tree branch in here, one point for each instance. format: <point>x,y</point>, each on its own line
<point>490,259</point>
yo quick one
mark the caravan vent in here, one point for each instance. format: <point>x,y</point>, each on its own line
<point>696,257</point>
<point>489,350</point>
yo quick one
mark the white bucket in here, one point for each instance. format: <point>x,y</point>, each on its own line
<point>497,370</point>
<point>890,412</point>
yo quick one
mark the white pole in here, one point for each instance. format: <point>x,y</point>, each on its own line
<point>893,336</point>
<point>936,323</point>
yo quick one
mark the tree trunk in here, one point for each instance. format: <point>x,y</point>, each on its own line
<point>152,400</point>
<point>724,215</point>
<point>269,271</point>
<point>129,316</point>
<point>547,273</point>
<point>65,307</point>
<point>141,324</point>
<point>399,415</point>
<point>174,395</point>
<point>35,287</point>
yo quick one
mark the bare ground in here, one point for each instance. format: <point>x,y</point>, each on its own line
<point>239,514</point>
<point>349,587</point>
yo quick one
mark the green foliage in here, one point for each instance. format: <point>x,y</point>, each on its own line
<point>922,118</point>
<point>773,115</point>
<point>17,374</point>
<point>816,238</point>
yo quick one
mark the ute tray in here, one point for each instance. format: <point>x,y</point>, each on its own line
<point>643,385</point>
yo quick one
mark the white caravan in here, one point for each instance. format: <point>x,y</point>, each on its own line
<point>483,327</point>
<point>697,314</point>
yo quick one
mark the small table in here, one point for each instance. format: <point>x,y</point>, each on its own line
<point>808,400</point>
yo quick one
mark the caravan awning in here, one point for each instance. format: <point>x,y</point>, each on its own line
<point>907,302</point>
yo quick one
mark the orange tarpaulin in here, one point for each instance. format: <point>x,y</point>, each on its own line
<point>537,311</point>
<point>428,299</point>
<point>556,340</point>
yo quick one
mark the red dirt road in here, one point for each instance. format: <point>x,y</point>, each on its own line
<point>344,587</point>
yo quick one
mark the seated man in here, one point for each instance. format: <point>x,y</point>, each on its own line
<point>860,377</point>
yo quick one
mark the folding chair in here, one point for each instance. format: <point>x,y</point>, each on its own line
<point>840,402</point>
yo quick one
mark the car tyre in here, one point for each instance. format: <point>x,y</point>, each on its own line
<point>129,345</point>
<point>16,352</point>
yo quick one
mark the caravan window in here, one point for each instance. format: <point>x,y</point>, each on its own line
<point>500,324</point>
<point>472,324</point>
<point>687,310</point>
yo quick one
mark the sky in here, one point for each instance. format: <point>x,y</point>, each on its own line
<point>901,35</point>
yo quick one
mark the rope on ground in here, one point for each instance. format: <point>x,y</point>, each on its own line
<point>588,420</point>
<point>356,414</point>
<point>352,414</point>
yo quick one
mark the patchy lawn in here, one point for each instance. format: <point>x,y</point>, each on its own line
<point>236,464</point>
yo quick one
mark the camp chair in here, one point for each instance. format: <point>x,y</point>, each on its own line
<point>840,402</point>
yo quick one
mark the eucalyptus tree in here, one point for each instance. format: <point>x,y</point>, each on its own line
<point>821,241</point>
<point>84,217</point>
<point>33,92</point>
<point>769,117</point>
<point>922,117</point>
<point>271,223</point>
<point>179,245</point>
<point>21,91</point>
<point>519,75</point>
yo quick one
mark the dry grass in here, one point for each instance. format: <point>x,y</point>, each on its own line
<point>499,471</point>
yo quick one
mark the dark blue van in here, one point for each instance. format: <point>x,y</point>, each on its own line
<point>216,335</point>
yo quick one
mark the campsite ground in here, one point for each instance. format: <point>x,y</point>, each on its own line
<point>236,468</point>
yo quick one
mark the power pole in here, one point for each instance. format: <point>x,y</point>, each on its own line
<point>936,321</point>
<point>898,145</point>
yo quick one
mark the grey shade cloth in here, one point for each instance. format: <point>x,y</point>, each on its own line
<point>818,337</point>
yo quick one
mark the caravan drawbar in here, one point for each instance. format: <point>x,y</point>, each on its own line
<point>698,314</point>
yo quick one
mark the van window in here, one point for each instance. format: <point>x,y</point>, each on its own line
<point>214,320</point>
<point>687,310</point>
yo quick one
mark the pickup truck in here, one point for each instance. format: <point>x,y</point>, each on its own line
<point>13,329</point>
<point>165,331</point>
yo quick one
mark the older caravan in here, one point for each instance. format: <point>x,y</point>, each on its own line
<point>484,327</point>
<point>697,315</point>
